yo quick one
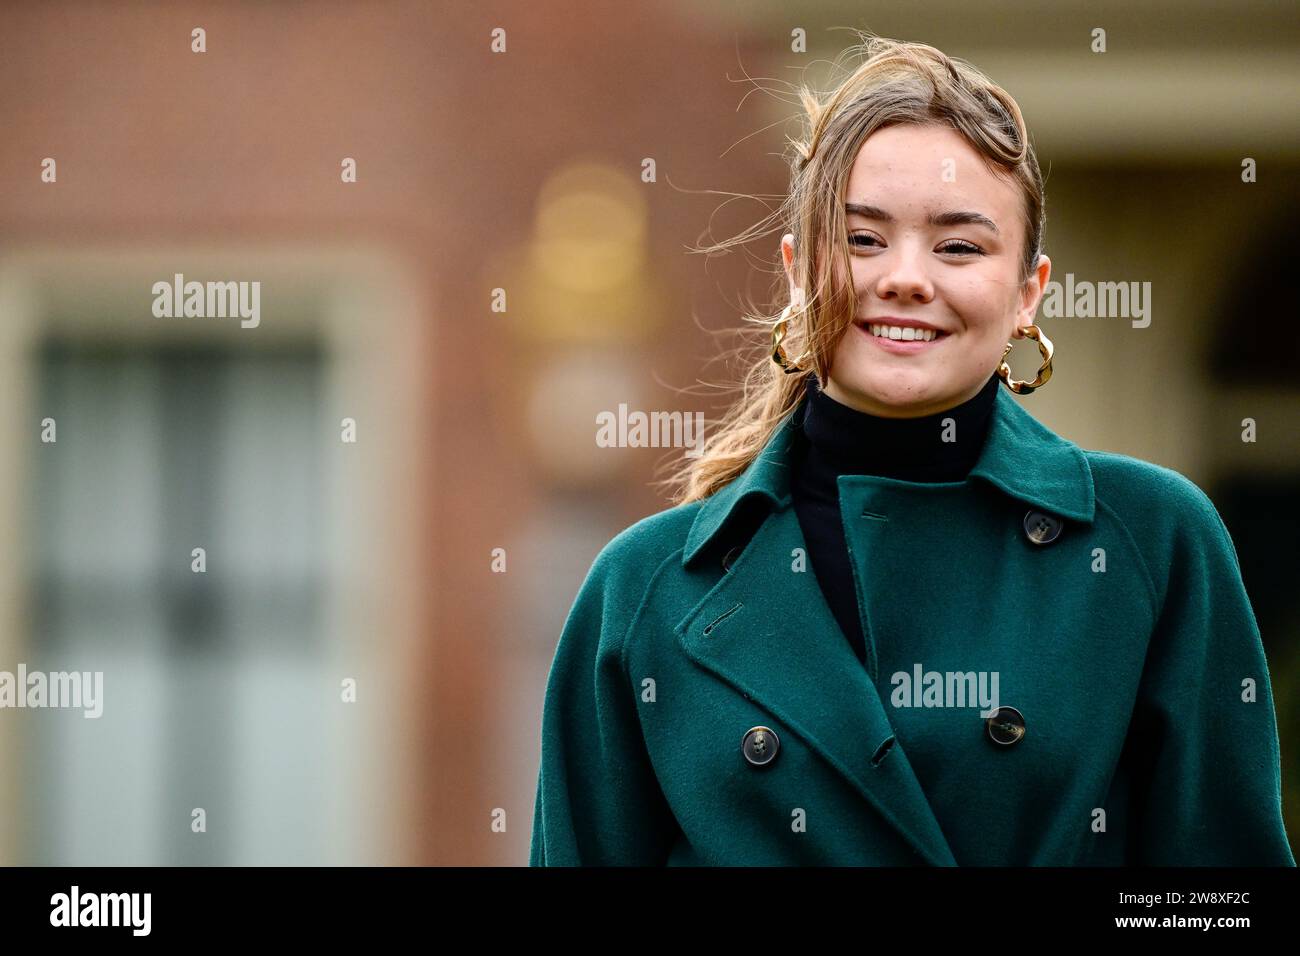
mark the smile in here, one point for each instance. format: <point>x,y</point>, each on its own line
<point>902,339</point>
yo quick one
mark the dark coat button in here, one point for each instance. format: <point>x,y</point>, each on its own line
<point>1042,528</point>
<point>760,745</point>
<point>1006,726</point>
<point>729,558</point>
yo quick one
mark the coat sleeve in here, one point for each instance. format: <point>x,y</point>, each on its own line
<point>598,800</point>
<point>1209,774</point>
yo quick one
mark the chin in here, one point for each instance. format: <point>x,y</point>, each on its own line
<point>905,403</point>
<point>901,391</point>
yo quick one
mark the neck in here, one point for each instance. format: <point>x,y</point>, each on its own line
<point>840,440</point>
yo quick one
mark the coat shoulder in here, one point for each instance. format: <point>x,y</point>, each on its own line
<point>645,544</point>
<point>620,581</point>
<point>1165,513</point>
<point>625,570</point>
<point>1134,487</point>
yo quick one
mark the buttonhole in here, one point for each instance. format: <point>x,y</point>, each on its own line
<point>725,614</point>
<point>882,751</point>
<point>875,515</point>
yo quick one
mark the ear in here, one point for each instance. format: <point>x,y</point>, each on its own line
<point>1031,293</point>
<point>787,260</point>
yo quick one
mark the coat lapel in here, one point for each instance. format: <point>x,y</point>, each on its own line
<point>768,632</point>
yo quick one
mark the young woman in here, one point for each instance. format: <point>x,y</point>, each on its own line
<point>893,618</point>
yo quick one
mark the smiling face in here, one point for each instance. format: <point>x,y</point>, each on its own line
<point>935,243</point>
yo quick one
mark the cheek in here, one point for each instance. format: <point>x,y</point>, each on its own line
<point>981,301</point>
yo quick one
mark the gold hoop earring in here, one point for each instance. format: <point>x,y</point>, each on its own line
<point>778,351</point>
<point>1044,370</point>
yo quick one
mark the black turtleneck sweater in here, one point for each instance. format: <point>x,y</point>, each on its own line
<point>838,440</point>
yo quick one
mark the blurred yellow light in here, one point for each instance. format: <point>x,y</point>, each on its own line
<point>590,229</point>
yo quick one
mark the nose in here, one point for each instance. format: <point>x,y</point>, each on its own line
<point>903,276</point>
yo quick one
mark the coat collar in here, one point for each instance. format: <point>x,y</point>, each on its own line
<point>1021,457</point>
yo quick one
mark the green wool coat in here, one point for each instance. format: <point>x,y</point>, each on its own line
<point>1127,645</point>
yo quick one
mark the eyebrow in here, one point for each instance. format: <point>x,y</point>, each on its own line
<point>952,218</point>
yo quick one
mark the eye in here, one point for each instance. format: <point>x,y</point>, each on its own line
<point>863,240</point>
<point>961,247</point>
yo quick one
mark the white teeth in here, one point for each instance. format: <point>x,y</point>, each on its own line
<point>904,333</point>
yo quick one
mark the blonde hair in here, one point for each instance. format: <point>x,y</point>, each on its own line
<point>897,83</point>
